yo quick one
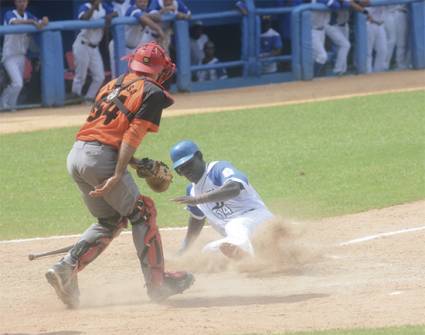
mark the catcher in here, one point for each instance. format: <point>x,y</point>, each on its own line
<point>222,195</point>
<point>125,110</point>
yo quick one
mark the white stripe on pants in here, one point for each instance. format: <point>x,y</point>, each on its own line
<point>87,59</point>
<point>14,66</point>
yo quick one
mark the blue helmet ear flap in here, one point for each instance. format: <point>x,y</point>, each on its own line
<point>182,152</point>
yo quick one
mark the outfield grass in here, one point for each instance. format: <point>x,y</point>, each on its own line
<point>407,330</point>
<point>308,160</point>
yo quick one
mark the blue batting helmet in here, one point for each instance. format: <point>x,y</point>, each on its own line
<point>182,152</point>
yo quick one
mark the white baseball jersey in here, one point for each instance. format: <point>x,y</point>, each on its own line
<point>92,36</point>
<point>377,14</point>
<point>134,33</point>
<point>16,44</point>
<point>212,74</point>
<point>219,214</point>
<point>121,8</point>
<point>320,19</point>
<point>269,41</point>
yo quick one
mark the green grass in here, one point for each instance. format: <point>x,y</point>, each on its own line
<point>406,330</point>
<point>309,160</point>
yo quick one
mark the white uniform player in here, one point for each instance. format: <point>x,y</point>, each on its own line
<point>319,21</point>
<point>270,45</point>
<point>133,34</point>
<point>121,6</point>
<point>160,7</point>
<point>86,50</point>
<point>212,74</point>
<point>222,195</point>
<point>395,22</point>
<point>15,47</point>
<point>338,32</point>
<point>376,39</point>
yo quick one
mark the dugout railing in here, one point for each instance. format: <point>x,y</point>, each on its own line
<point>52,53</point>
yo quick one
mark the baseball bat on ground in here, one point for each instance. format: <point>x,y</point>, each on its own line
<point>31,257</point>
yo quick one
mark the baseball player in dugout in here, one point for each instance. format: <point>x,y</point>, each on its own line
<point>86,49</point>
<point>125,110</point>
<point>222,195</point>
<point>15,47</point>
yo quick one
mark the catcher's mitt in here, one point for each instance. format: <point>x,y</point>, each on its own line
<point>156,173</point>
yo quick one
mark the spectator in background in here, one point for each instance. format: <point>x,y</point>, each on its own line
<point>213,74</point>
<point>198,39</point>
<point>163,7</point>
<point>86,49</point>
<point>270,44</point>
<point>15,47</point>
<point>134,33</point>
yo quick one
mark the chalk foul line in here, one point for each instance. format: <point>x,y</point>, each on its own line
<point>75,236</point>
<point>374,237</point>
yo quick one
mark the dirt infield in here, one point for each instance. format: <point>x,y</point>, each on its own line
<point>316,284</point>
<point>241,98</point>
<point>311,280</point>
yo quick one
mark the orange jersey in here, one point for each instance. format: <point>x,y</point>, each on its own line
<point>137,112</point>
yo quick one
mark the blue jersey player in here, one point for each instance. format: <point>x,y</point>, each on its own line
<point>222,195</point>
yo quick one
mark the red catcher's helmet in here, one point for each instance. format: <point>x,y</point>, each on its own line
<point>151,58</point>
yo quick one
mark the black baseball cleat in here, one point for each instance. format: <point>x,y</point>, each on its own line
<point>174,283</point>
<point>64,280</point>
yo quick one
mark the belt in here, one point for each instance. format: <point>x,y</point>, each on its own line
<point>320,28</point>
<point>341,24</point>
<point>402,10</point>
<point>89,44</point>
<point>96,143</point>
<point>376,22</point>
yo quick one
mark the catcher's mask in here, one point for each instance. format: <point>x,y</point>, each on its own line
<point>150,58</point>
<point>182,152</point>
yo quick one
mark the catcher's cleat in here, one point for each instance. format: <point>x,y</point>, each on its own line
<point>64,280</point>
<point>174,283</point>
<point>233,251</point>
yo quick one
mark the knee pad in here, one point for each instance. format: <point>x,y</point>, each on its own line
<point>151,257</point>
<point>85,252</point>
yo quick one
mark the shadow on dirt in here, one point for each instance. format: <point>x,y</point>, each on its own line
<point>65,332</point>
<point>243,300</point>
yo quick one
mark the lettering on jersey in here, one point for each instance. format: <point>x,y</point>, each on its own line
<point>221,210</point>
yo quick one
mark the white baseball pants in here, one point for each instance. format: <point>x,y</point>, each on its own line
<point>14,66</point>
<point>339,37</point>
<point>87,59</point>
<point>318,41</point>
<point>112,57</point>
<point>376,41</point>
<point>240,230</point>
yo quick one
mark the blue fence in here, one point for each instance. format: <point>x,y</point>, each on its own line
<point>52,64</point>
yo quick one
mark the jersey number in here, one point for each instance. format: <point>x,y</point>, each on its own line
<point>110,111</point>
<point>221,210</point>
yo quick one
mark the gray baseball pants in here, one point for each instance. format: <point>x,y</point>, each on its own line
<point>89,164</point>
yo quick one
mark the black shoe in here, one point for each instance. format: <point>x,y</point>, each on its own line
<point>174,283</point>
<point>64,280</point>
